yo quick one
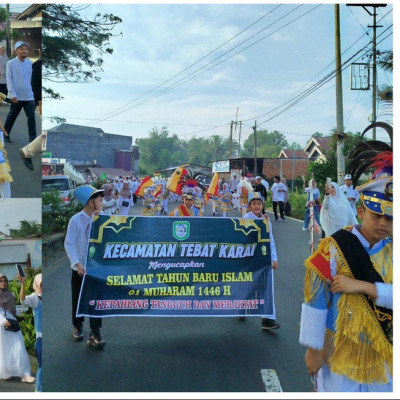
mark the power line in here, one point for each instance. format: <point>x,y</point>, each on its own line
<point>222,125</point>
<point>196,62</point>
<point>298,90</point>
<point>314,87</point>
<point>202,70</point>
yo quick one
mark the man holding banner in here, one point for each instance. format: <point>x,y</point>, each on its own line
<point>256,211</point>
<point>76,246</point>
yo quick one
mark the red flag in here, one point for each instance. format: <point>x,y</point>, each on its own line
<point>213,187</point>
<point>146,182</point>
<point>157,191</point>
<point>321,261</point>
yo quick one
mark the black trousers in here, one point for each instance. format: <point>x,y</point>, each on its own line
<point>15,109</point>
<point>76,283</point>
<point>274,207</point>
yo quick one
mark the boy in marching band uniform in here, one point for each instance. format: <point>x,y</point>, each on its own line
<point>346,319</point>
<point>186,209</point>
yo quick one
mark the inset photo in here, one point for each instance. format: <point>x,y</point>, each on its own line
<point>20,101</point>
<point>20,295</point>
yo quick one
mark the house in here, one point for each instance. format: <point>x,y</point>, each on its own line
<point>24,251</point>
<point>285,153</point>
<point>317,147</point>
<point>3,236</point>
<point>290,164</point>
<point>29,25</point>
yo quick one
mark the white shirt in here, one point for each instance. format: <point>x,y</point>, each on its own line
<point>349,191</point>
<point>233,183</point>
<point>19,74</point>
<point>77,239</point>
<point>278,196</point>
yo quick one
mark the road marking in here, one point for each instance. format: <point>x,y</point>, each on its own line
<point>271,380</point>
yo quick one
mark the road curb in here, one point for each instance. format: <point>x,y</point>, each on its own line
<point>50,245</point>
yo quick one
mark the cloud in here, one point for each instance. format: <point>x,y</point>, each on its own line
<point>12,211</point>
<point>160,41</point>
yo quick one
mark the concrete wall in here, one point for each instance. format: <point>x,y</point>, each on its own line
<point>80,145</point>
<point>290,169</point>
<point>15,251</point>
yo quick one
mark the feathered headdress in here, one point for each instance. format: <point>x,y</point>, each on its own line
<point>377,193</point>
<point>372,154</point>
<point>192,180</point>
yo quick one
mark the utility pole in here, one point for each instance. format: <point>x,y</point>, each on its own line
<point>339,101</point>
<point>8,31</point>
<point>255,148</point>
<point>230,141</point>
<point>374,75</point>
<point>240,133</point>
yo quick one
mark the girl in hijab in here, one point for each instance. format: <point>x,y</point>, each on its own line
<point>109,204</point>
<point>34,300</point>
<point>225,199</point>
<point>313,199</point>
<point>125,201</point>
<point>14,359</point>
<point>336,212</point>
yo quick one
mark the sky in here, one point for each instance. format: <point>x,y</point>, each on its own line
<point>194,68</point>
<point>12,211</point>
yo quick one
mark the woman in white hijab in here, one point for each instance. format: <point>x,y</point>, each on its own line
<point>14,360</point>
<point>336,212</point>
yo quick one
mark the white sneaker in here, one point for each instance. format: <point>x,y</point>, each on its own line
<point>305,229</point>
<point>28,379</point>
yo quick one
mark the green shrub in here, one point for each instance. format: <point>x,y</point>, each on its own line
<point>56,214</point>
<point>26,319</point>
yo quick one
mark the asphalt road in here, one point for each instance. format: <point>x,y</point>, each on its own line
<point>187,354</point>
<point>26,183</point>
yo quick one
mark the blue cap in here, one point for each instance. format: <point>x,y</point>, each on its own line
<point>377,195</point>
<point>85,192</point>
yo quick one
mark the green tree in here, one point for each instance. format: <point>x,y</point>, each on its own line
<point>218,148</point>
<point>15,33</point>
<point>269,144</point>
<point>26,228</point>
<point>203,151</point>
<point>197,150</point>
<point>73,45</point>
<point>159,151</point>
<point>294,146</point>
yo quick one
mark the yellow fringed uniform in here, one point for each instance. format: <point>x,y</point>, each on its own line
<point>5,169</point>
<point>355,345</point>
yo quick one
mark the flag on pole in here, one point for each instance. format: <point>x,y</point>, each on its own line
<point>146,182</point>
<point>173,183</point>
<point>157,191</point>
<point>213,187</point>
